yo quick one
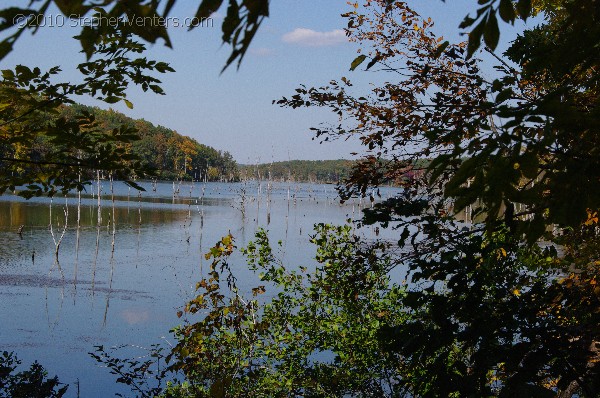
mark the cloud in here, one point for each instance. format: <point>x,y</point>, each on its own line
<point>134,317</point>
<point>261,51</point>
<point>312,38</point>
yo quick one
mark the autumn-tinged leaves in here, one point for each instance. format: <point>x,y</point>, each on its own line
<point>31,99</point>
<point>275,346</point>
<point>242,21</point>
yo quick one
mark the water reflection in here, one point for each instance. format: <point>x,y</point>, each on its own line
<point>36,216</point>
<point>135,316</point>
<point>122,280</point>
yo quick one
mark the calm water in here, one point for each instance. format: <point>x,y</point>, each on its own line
<point>57,311</point>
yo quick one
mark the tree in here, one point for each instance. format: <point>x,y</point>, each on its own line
<point>119,24</point>
<point>490,310</point>
<point>31,383</point>
<point>492,313</point>
<point>29,113</point>
<point>30,100</point>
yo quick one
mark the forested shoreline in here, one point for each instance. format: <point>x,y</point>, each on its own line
<point>167,153</point>
<point>397,295</point>
<point>325,171</point>
<point>322,171</point>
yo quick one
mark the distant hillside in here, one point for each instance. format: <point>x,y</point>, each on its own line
<point>325,171</point>
<point>170,154</point>
<point>321,171</point>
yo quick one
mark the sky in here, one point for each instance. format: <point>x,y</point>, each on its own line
<point>302,42</point>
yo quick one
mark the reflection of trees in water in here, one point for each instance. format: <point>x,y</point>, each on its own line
<point>46,226</point>
<point>37,241</point>
<point>36,215</point>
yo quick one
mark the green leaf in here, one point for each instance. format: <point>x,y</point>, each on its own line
<point>504,95</point>
<point>231,22</point>
<point>88,38</point>
<point>168,7</point>
<point>468,21</point>
<point>8,74</point>
<point>492,32</point>
<point>157,89</point>
<point>372,62</point>
<point>5,48</point>
<point>357,61</point>
<point>207,7</point>
<point>464,172</point>
<point>128,103</point>
<point>441,49</point>
<point>475,38</point>
<point>524,8</point>
<point>163,67</point>
<point>507,11</point>
<point>112,100</point>
<point>497,85</point>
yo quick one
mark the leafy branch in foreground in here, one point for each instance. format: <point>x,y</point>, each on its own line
<point>240,25</point>
<point>30,106</point>
<point>302,333</point>
<point>313,337</point>
<point>147,20</point>
<point>507,305</point>
<point>31,383</point>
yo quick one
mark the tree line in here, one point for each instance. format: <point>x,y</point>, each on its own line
<point>156,151</point>
<point>507,307</point>
<point>163,151</point>
<point>322,171</point>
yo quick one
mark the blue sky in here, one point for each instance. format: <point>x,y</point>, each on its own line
<point>300,43</point>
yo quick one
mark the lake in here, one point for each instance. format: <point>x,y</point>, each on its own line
<point>121,284</point>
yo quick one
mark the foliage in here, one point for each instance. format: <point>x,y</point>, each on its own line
<point>314,336</point>
<point>31,383</point>
<point>516,140</point>
<point>242,20</point>
<point>329,171</point>
<point>491,317</point>
<point>164,152</point>
<point>30,105</point>
<point>491,312</point>
<point>145,19</point>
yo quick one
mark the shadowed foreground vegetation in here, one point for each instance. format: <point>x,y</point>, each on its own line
<point>505,307</point>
